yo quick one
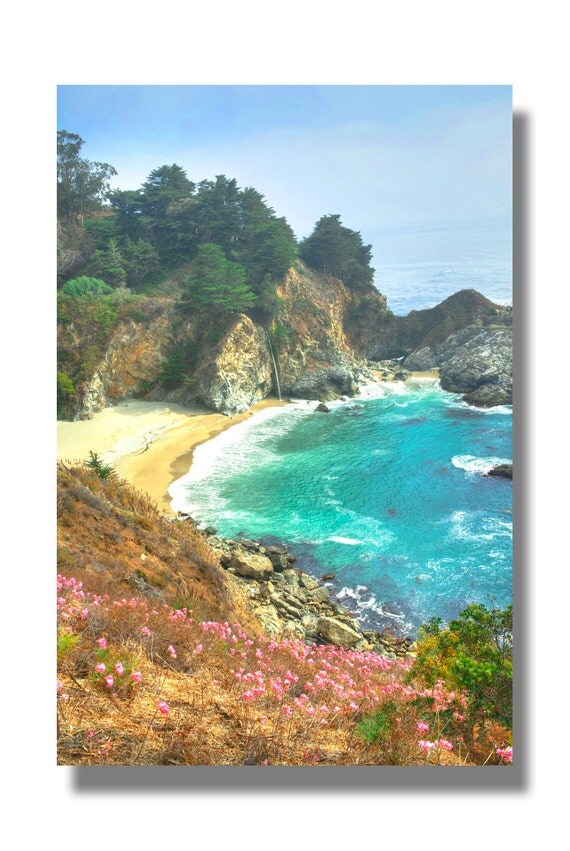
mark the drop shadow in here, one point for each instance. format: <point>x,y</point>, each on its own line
<point>390,780</point>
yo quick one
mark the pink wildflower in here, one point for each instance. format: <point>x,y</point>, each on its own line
<point>422,726</point>
<point>59,685</point>
<point>163,707</point>
<point>109,681</point>
<point>172,651</point>
<point>458,716</point>
<point>506,754</point>
<point>198,649</point>
<point>425,746</point>
<point>445,745</point>
<point>287,711</point>
<point>145,631</point>
<point>100,668</point>
<point>102,642</point>
<point>136,676</point>
<point>119,668</point>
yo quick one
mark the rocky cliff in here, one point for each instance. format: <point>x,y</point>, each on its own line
<point>322,337</point>
<point>476,361</point>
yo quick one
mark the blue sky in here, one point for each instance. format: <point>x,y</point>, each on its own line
<point>381,156</point>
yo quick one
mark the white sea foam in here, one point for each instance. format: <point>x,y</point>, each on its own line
<point>473,466</point>
<point>338,539</point>
<point>474,527</point>
<point>364,601</point>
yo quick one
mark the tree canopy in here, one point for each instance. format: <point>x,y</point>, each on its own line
<point>339,251</point>
<point>82,185</point>
<point>216,284</point>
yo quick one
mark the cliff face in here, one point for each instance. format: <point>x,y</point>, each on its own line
<point>384,336</point>
<point>321,339</point>
<point>315,357</point>
<point>225,362</point>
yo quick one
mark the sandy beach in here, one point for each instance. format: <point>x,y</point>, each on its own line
<point>150,444</point>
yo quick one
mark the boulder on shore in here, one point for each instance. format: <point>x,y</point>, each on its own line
<point>337,632</point>
<point>250,565</point>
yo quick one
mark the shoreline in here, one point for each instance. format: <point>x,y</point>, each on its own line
<point>150,444</point>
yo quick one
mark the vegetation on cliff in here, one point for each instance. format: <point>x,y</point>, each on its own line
<point>336,250</point>
<point>160,661</point>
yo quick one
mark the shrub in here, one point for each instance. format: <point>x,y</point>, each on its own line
<point>104,471</point>
<point>86,286</point>
<point>65,394</point>
<point>473,653</point>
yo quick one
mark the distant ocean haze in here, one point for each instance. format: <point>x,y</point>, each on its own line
<point>418,267</point>
<point>387,491</point>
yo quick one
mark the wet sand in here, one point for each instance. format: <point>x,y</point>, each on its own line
<point>150,444</point>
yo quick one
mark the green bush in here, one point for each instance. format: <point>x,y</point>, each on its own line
<point>473,653</point>
<point>65,393</point>
<point>104,471</point>
<point>86,286</point>
<point>375,728</point>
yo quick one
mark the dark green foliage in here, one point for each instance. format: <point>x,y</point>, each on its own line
<point>179,364</point>
<point>339,251</point>
<point>98,231</point>
<point>104,471</point>
<point>86,286</point>
<point>140,261</point>
<point>81,185</point>
<point>131,220</point>
<point>151,231</point>
<point>474,653</point>
<point>65,394</point>
<point>216,284</point>
<point>109,264</point>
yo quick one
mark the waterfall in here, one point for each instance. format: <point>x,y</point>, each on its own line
<point>274,364</point>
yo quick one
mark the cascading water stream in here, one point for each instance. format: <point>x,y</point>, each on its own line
<point>274,363</point>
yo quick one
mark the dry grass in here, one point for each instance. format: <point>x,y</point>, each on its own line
<point>234,696</point>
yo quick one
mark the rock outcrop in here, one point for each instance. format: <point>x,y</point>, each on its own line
<point>239,371</point>
<point>476,362</point>
<point>380,335</point>
<point>289,602</point>
<point>501,471</point>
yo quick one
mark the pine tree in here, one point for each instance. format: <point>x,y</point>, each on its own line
<point>216,284</point>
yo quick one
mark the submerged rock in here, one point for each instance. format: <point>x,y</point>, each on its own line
<point>502,471</point>
<point>322,408</point>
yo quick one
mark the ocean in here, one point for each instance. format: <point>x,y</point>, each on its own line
<point>419,267</point>
<point>387,491</point>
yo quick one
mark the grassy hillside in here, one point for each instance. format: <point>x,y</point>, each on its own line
<point>160,661</point>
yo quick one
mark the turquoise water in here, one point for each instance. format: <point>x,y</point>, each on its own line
<point>386,491</point>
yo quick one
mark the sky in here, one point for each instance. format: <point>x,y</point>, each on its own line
<point>380,156</point>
